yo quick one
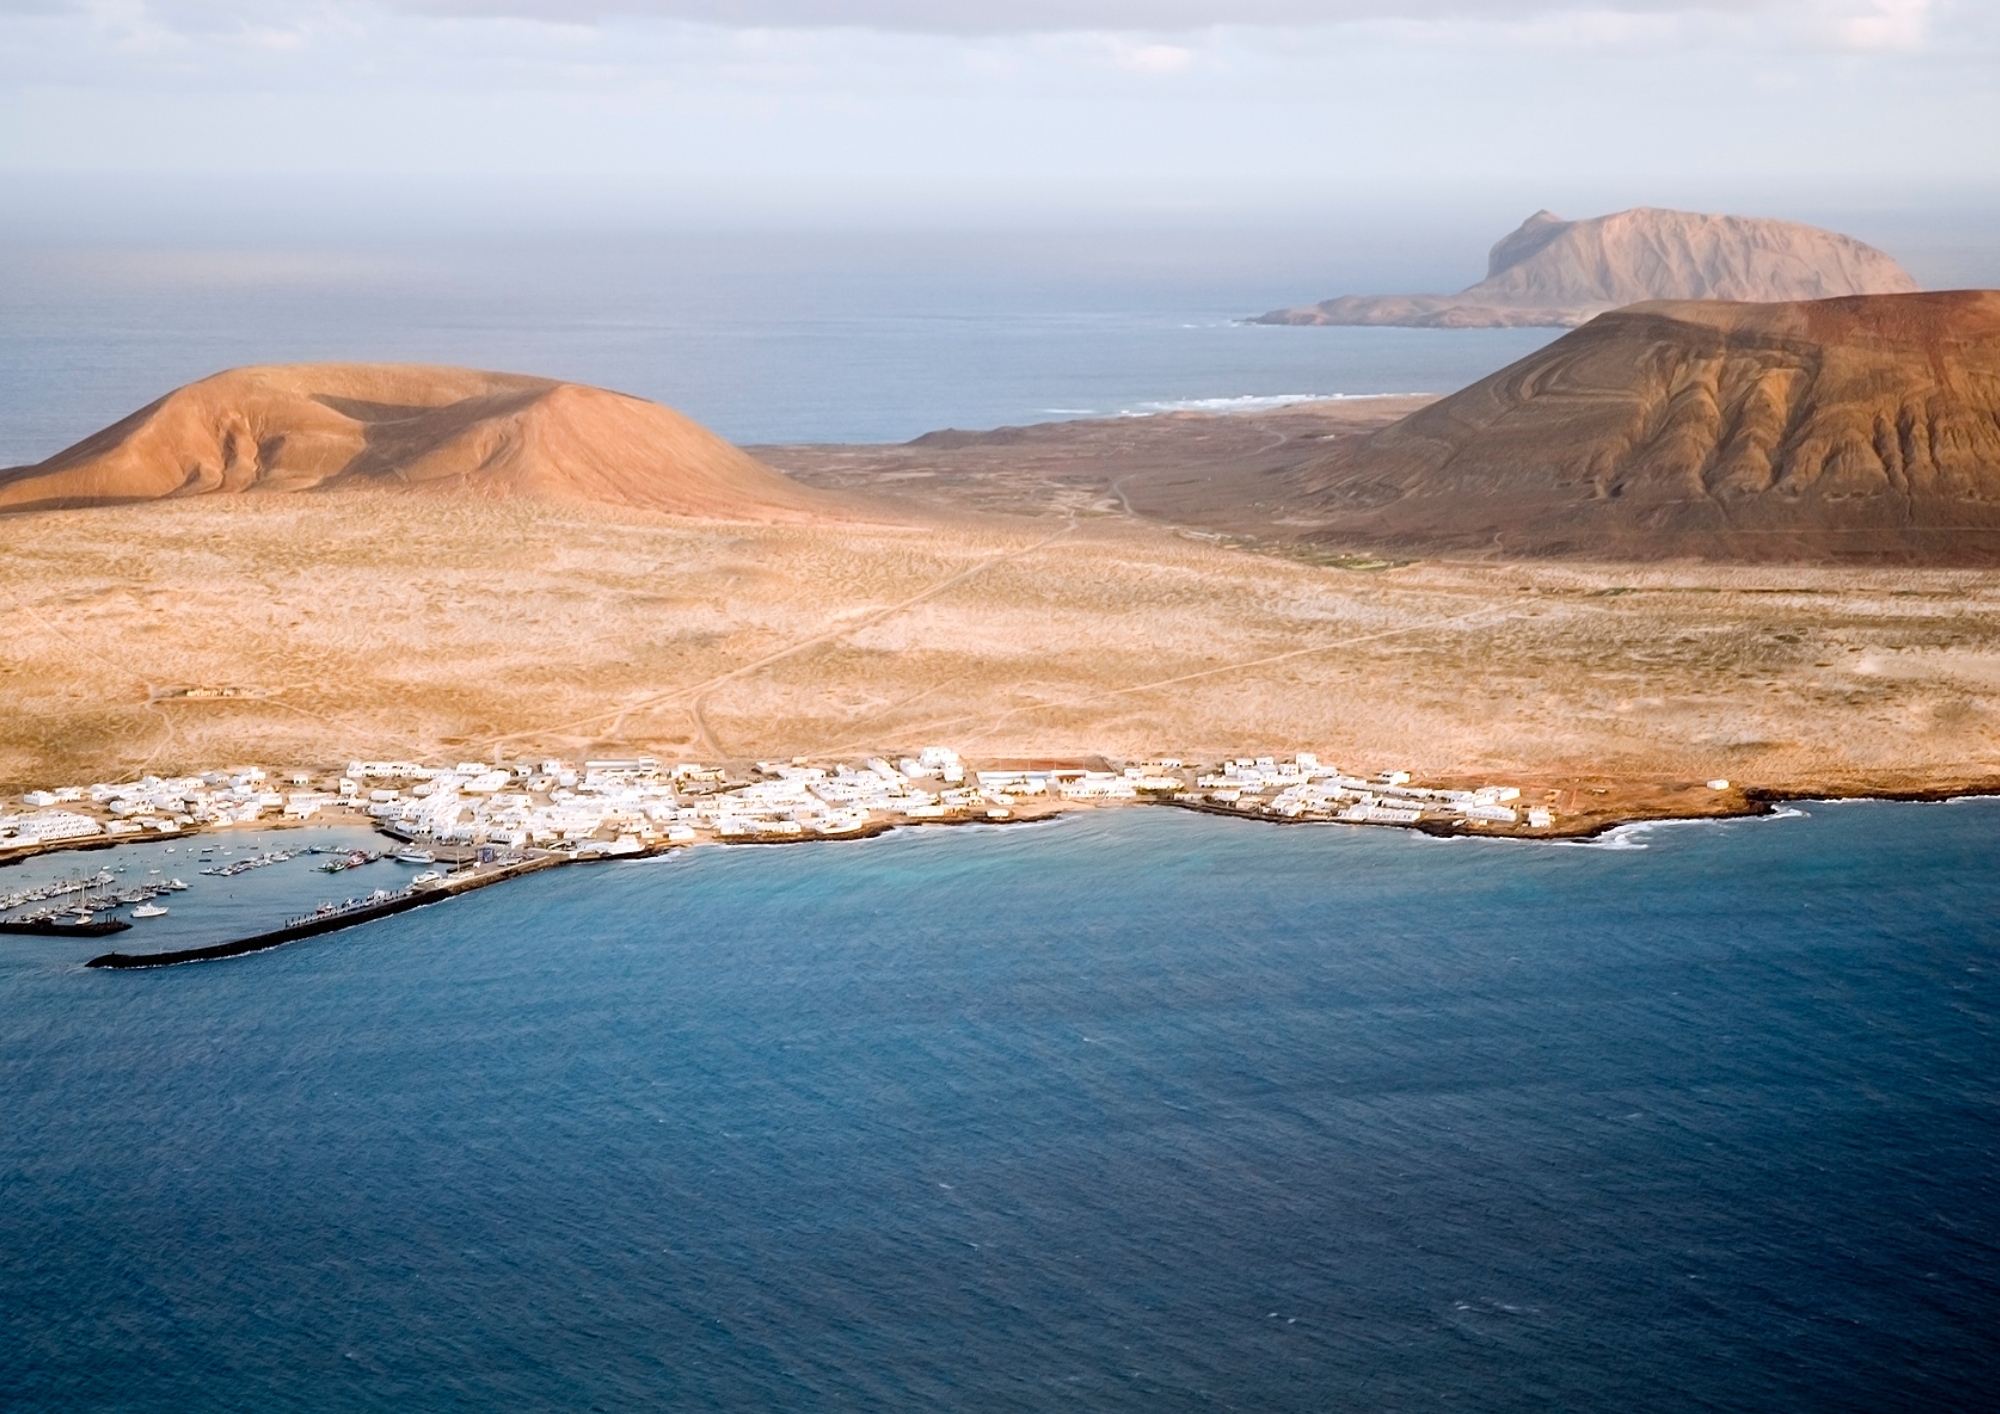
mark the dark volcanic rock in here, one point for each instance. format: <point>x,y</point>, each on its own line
<point>1857,429</point>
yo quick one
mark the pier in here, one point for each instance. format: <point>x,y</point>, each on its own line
<point>313,925</point>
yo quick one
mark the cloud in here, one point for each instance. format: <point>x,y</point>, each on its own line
<point>1151,58</point>
<point>1898,25</point>
<point>1860,26</point>
<point>1887,26</point>
<point>1864,24</point>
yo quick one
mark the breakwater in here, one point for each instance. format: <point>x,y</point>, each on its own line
<point>52,928</point>
<point>316,925</point>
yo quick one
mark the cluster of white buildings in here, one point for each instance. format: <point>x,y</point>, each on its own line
<point>1303,789</point>
<point>628,806</point>
<point>151,805</point>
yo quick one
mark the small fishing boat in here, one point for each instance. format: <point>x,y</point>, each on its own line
<point>414,856</point>
<point>149,910</point>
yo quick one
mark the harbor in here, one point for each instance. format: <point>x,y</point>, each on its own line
<point>467,825</point>
<point>332,917</point>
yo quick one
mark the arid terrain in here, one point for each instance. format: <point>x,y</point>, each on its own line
<point>1111,591</point>
<point>1839,431</point>
<point>319,426</point>
<point>372,624</point>
<point>1238,475</point>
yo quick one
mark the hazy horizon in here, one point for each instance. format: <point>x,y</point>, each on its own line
<point>1167,102</point>
<point>804,321</point>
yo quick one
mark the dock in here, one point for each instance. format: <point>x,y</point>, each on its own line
<point>316,925</point>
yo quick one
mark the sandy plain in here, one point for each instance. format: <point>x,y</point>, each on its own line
<point>1016,616</point>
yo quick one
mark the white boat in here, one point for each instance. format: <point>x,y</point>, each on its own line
<point>149,910</point>
<point>176,885</point>
<point>427,878</point>
<point>414,856</point>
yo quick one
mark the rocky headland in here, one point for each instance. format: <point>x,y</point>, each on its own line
<point>1564,273</point>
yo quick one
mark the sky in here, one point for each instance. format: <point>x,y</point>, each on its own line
<point>1170,107</point>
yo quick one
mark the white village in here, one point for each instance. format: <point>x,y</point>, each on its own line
<point>473,824</point>
<point>633,805</point>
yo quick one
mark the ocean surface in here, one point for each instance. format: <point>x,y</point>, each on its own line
<point>1137,1110</point>
<point>764,338</point>
<point>1133,1111</point>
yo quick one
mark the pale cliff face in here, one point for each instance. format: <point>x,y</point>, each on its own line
<point>1564,273</point>
<point>1648,254</point>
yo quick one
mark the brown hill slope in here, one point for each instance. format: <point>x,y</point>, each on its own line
<point>1557,272</point>
<point>309,426</point>
<point>1851,429</point>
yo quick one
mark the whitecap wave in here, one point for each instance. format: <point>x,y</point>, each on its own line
<point>1621,837</point>
<point>1633,836</point>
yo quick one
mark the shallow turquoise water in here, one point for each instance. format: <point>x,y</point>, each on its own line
<point>1138,1110</point>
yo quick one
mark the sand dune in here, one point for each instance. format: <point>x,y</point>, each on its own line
<point>1563,273</point>
<point>1862,429</point>
<point>321,426</point>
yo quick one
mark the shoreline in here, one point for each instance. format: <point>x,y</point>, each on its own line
<point>1759,803</point>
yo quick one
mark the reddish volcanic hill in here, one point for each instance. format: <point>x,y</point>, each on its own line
<point>312,426</point>
<point>1851,429</point>
<point>1556,272</point>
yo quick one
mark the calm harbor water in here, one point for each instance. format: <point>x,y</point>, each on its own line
<point>1137,1110</point>
<point>214,906</point>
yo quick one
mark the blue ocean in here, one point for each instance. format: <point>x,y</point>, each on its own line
<point>766,338</point>
<point>1137,1110</point>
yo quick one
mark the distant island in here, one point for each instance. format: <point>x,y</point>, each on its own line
<point>1564,273</point>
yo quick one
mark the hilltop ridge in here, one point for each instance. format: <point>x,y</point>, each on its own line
<point>306,427</point>
<point>1563,273</point>
<point>1842,430</point>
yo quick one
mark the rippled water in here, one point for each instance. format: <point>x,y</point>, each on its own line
<point>767,339</point>
<point>1137,1110</point>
